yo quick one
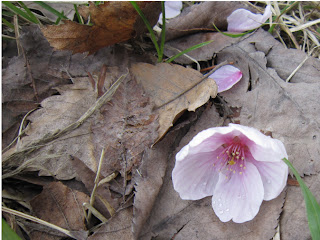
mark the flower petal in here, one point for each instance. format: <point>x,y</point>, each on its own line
<point>238,198</point>
<point>262,147</point>
<point>205,141</point>
<point>226,76</point>
<point>172,9</point>
<point>274,176</point>
<point>194,176</point>
<point>243,20</point>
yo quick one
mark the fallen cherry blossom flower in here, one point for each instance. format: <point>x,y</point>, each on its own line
<point>242,20</point>
<point>237,165</point>
<point>226,76</point>
<point>172,9</point>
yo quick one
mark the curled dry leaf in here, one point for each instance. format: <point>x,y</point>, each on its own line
<point>174,89</point>
<point>61,206</point>
<point>199,17</point>
<point>113,22</point>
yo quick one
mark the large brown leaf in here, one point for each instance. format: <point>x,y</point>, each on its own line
<point>174,89</point>
<point>62,206</point>
<point>113,22</point>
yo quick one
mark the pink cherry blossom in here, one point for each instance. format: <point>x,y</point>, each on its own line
<point>237,165</point>
<point>226,76</point>
<point>243,20</point>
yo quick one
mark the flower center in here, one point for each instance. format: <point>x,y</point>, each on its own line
<point>231,159</point>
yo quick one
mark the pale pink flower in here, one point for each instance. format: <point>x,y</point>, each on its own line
<point>243,20</point>
<point>226,76</point>
<point>237,165</point>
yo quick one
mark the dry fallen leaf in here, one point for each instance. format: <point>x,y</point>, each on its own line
<point>174,89</point>
<point>204,53</point>
<point>289,110</point>
<point>61,206</point>
<point>113,22</point>
<point>199,17</point>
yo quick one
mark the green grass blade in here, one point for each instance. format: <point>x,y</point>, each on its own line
<point>9,24</point>
<point>163,32</point>
<point>7,232</point>
<point>80,20</point>
<point>29,12</point>
<point>18,11</point>
<point>50,9</point>
<point>188,50</point>
<point>146,22</point>
<point>233,35</point>
<point>312,206</point>
<point>58,19</point>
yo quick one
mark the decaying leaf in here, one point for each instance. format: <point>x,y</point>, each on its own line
<point>174,90</point>
<point>289,110</point>
<point>61,206</point>
<point>113,22</point>
<point>199,17</point>
<point>204,53</point>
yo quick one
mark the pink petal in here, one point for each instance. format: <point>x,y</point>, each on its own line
<point>243,20</point>
<point>205,141</point>
<point>263,148</point>
<point>226,76</point>
<point>194,177</point>
<point>274,177</point>
<point>172,9</point>
<point>238,198</point>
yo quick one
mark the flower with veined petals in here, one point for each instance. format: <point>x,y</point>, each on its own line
<point>243,20</point>
<point>226,76</point>
<point>237,165</point>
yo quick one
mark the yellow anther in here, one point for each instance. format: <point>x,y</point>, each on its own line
<point>232,162</point>
<point>237,153</point>
<point>240,172</point>
<point>241,165</point>
<point>237,157</point>
<point>233,154</point>
<point>242,158</point>
<point>244,167</point>
<point>234,171</point>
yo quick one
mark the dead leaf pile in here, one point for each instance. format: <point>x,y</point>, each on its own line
<point>136,196</point>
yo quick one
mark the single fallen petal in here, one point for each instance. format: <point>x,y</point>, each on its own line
<point>226,76</point>
<point>172,9</point>
<point>243,20</point>
<point>236,164</point>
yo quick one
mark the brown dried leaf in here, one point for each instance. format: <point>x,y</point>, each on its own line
<point>61,206</point>
<point>168,83</point>
<point>199,17</point>
<point>204,53</point>
<point>289,110</point>
<point>113,22</point>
